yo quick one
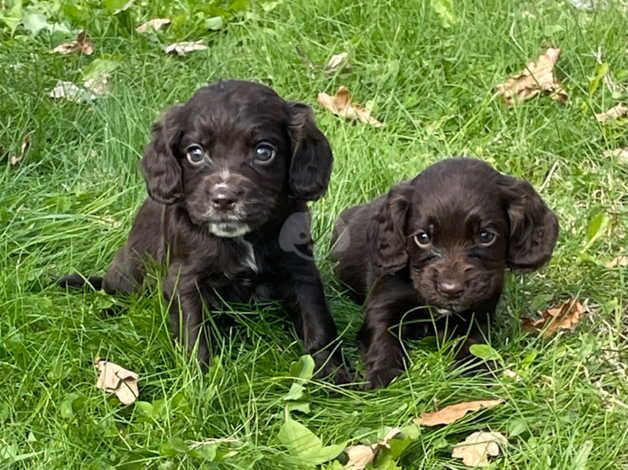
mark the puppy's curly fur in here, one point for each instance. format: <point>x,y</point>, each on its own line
<point>224,173</point>
<point>441,243</point>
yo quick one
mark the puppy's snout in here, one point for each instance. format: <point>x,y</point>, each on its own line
<point>224,198</point>
<point>452,288</point>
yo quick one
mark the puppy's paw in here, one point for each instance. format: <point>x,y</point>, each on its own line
<point>334,371</point>
<point>382,376</point>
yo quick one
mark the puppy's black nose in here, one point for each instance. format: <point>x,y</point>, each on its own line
<point>223,200</point>
<point>451,287</point>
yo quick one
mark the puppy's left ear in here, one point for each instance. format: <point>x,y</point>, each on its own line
<point>310,167</point>
<point>533,226</point>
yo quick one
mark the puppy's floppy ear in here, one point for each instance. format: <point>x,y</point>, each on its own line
<point>533,226</point>
<point>310,167</point>
<point>386,233</point>
<point>162,171</point>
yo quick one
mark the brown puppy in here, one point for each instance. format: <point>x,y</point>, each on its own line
<point>229,174</point>
<point>440,241</point>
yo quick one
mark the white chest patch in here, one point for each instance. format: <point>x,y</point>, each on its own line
<point>247,255</point>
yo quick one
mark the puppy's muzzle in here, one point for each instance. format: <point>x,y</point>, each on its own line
<point>224,198</point>
<point>450,288</point>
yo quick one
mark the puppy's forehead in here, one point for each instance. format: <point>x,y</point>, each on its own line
<point>237,100</point>
<point>457,181</point>
<point>458,190</point>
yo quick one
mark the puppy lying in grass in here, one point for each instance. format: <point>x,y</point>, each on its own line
<point>438,244</point>
<point>229,174</point>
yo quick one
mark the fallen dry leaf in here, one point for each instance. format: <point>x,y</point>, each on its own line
<point>71,92</point>
<point>563,317</point>
<point>155,24</point>
<point>360,456</point>
<point>619,261</point>
<point>81,44</point>
<point>337,62</point>
<point>477,447</point>
<point>185,47</point>
<point>118,380</point>
<point>452,413</point>
<point>616,112</point>
<point>620,154</point>
<point>26,142</point>
<point>340,104</point>
<point>98,85</point>
<point>538,77</point>
<point>363,454</point>
<point>91,89</point>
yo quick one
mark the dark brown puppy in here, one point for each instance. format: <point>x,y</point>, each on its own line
<point>438,242</point>
<point>228,174</point>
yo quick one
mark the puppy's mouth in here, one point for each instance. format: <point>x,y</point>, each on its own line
<point>447,309</point>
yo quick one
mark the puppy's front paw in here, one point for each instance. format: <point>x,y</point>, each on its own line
<point>382,376</point>
<point>334,370</point>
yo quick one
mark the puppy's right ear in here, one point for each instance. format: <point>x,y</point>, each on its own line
<point>162,171</point>
<point>386,233</point>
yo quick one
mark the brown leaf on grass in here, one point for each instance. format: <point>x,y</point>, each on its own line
<point>452,413</point>
<point>538,77</point>
<point>118,380</point>
<point>363,454</point>
<point>340,104</point>
<point>616,112</point>
<point>26,143</point>
<point>562,317</point>
<point>617,262</point>
<point>155,24</point>
<point>185,47</point>
<point>478,447</point>
<point>81,44</point>
<point>337,62</point>
<point>619,154</point>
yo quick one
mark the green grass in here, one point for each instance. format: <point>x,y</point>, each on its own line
<point>70,203</point>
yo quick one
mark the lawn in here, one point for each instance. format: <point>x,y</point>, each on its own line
<point>430,77</point>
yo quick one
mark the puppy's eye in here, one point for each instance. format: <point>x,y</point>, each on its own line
<point>422,239</point>
<point>265,153</point>
<point>486,237</point>
<point>195,154</point>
